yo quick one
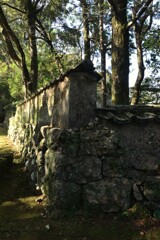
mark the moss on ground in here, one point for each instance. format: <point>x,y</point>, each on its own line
<point>22,218</point>
<point>6,146</point>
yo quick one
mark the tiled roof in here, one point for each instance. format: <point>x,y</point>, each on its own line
<point>127,114</point>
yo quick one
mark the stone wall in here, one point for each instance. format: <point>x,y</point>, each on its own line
<point>106,166</point>
<point>66,103</point>
<point>85,158</point>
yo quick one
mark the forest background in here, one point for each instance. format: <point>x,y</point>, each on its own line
<point>40,40</point>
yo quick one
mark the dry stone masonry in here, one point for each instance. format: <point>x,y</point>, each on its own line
<point>85,158</point>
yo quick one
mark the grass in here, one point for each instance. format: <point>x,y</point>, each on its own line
<point>6,146</point>
<point>22,218</point>
<point>3,131</point>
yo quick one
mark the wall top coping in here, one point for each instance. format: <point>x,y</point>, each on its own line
<point>126,114</point>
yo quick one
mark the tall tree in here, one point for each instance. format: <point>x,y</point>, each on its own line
<point>120,47</point>
<point>32,10</point>
<point>102,52</point>
<point>120,52</point>
<point>141,27</point>
<point>15,49</point>
<point>86,37</point>
<point>23,51</point>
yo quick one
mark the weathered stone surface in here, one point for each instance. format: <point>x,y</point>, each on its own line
<point>82,99</point>
<point>52,136</point>
<point>141,146</point>
<point>40,158</point>
<point>50,164</point>
<point>99,142</point>
<point>42,145</point>
<point>109,195</point>
<point>79,170</point>
<point>136,175</point>
<point>114,167</point>
<point>151,189</point>
<point>64,195</point>
<point>67,140</point>
<point>44,130</point>
<point>138,192</point>
<point>40,161</point>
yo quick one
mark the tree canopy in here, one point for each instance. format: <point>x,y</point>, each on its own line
<point>39,40</point>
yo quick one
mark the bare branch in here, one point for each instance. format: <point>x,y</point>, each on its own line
<point>45,37</point>
<point>43,32</point>
<point>11,51</point>
<point>39,9</point>
<point>10,35</point>
<point>150,24</point>
<point>113,4</point>
<point>144,8</point>
<point>140,13</point>
<point>15,8</point>
<point>37,1</point>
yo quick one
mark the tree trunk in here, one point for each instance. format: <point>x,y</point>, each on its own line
<point>102,52</point>
<point>85,16</point>
<point>31,18</point>
<point>15,51</point>
<point>120,53</point>
<point>139,35</point>
<point>141,68</point>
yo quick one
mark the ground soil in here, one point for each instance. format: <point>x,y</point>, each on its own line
<point>22,217</point>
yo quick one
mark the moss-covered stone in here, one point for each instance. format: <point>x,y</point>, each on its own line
<point>111,195</point>
<point>65,195</point>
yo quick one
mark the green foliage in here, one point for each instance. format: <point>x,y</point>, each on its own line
<point>150,90</point>
<point>6,99</point>
<point>49,70</point>
<point>152,47</point>
<point>63,47</point>
<point>15,82</point>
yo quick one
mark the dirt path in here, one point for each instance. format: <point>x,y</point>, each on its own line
<point>21,216</point>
